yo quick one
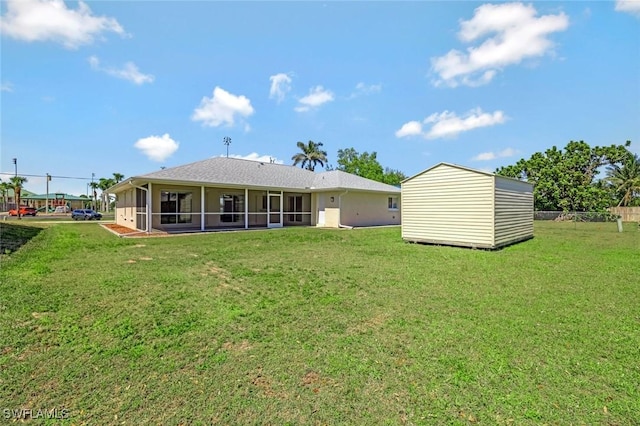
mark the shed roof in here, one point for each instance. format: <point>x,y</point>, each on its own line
<point>248,173</point>
<point>468,169</point>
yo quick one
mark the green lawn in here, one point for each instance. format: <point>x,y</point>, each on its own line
<point>310,326</point>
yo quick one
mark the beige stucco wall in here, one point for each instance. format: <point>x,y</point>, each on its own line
<point>327,206</point>
<point>354,208</point>
<point>125,213</point>
<point>368,209</point>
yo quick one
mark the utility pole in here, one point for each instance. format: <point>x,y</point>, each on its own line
<point>93,193</point>
<point>15,193</point>
<point>46,206</point>
<point>227,141</point>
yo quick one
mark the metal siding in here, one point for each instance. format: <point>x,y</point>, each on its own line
<point>449,205</point>
<point>513,211</point>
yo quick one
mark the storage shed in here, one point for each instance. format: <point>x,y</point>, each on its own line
<point>454,205</point>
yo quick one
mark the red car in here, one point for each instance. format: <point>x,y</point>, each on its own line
<point>24,211</point>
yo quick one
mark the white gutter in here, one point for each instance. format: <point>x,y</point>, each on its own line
<point>340,225</point>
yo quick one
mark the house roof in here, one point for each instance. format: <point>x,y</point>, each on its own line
<point>247,173</point>
<point>23,193</point>
<point>469,169</point>
<point>53,196</point>
<point>337,179</point>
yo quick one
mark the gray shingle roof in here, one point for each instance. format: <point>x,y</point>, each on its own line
<point>238,172</point>
<point>343,180</point>
<point>234,171</point>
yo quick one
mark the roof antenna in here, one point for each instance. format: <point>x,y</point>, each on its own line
<point>227,141</point>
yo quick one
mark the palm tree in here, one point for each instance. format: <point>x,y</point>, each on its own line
<point>94,186</point>
<point>4,190</point>
<point>16,184</point>
<point>625,178</point>
<point>117,177</point>
<point>310,155</point>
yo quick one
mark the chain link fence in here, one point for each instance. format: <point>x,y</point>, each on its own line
<point>560,216</point>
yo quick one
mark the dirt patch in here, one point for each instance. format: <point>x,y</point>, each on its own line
<point>314,381</point>
<point>124,231</point>
<point>267,387</point>
<point>119,229</point>
<point>211,269</point>
<point>237,347</point>
<point>374,323</point>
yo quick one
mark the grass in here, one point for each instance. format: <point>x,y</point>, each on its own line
<point>14,236</point>
<point>308,326</point>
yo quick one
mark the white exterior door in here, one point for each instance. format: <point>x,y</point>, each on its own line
<point>320,202</point>
<point>274,209</point>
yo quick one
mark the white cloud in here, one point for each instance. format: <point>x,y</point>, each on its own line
<point>632,7</point>
<point>448,124</point>
<point>254,156</point>
<point>411,128</point>
<point>6,87</point>
<point>42,20</point>
<point>128,72</point>
<point>317,96</point>
<point>364,89</point>
<point>512,33</point>
<point>157,148</point>
<point>222,108</point>
<point>487,156</point>
<point>280,86</point>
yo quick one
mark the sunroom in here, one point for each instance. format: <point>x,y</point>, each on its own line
<point>201,208</point>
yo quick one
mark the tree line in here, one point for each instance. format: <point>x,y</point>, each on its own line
<point>16,183</point>
<point>569,179</point>
<point>351,161</point>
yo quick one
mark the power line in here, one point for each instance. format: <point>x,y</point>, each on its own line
<point>55,176</point>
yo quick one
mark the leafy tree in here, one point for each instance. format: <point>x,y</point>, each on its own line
<point>117,177</point>
<point>625,179</point>
<point>310,155</point>
<point>564,179</point>
<point>366,165</point>
<point>393,177</point>
<point>16,183</point>
<point>103,185</point>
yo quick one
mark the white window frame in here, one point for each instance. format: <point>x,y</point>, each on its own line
<point>391,203</point>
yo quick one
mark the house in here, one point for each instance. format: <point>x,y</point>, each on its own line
<point>454,205</point>
<point>55,200</point>
<point>223,193</point>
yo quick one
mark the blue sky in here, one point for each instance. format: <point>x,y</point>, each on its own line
<point>129,87</point>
